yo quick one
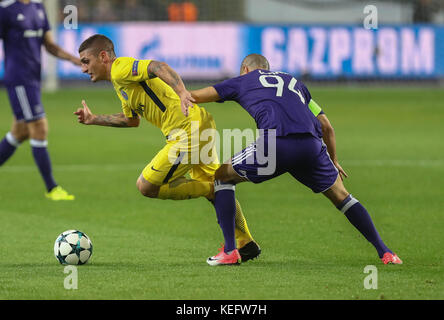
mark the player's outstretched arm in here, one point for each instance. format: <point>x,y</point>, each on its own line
<point>208,94</point>
<point>85,116</point>
<point>330,140</point>
<point>56,50</point>
<point>171,78</point>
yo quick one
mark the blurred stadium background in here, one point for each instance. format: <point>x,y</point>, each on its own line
<point>312,39</point>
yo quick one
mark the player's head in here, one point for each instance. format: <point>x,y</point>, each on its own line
<point>252,62</point>
<point>97,55</point>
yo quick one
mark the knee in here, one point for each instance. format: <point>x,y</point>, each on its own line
<point>20,134</point>
<point>341,193</point>
<point>146,189</point>
<point>221,173</point>
<point>344,194</point>
<point>41,133</point>
<point>339,196</point>
<point>39,130</point>
<point>22,137</point>
<point>337,193</point>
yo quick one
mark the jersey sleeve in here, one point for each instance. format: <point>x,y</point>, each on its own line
<point>46,24</point>
<point>305,91</point>
<point>127,111</point>
<point>128,70</point>
<point>228,89</point>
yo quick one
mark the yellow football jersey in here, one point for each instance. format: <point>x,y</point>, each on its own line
<point>152,99</point>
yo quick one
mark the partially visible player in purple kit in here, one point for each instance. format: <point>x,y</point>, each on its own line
<point>24,28</point>
<point>305,147</point>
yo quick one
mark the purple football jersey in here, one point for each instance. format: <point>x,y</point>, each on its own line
<point>22,27</point>
<point>276,100</point>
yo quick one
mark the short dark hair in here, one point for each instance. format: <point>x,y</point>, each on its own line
<point>98,43</point>
<point>255,60</point>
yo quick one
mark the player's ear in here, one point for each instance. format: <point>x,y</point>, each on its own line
<point>103,56</point>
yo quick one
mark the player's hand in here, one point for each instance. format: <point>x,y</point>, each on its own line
<point>84,115</point>
<point>342,173</point>
<point>186,101</point>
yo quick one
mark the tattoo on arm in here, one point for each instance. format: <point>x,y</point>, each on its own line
<point>175,78</point>
<point>153,68</point>
<point>112,120</point>
<point>151,76</point>
<point>168,75</point>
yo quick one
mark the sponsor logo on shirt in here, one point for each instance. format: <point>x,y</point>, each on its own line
<point>124,95</point>
<point>140,109</point>
<point>33,33</point>
<point>20,17</point>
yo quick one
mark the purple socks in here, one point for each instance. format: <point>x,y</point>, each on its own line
<point>361,220</point>
<point>7,147</point>
<point>225,205</point>
<point>41,157</point>
<point>43,162</point>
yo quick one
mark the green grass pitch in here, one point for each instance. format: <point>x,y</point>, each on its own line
<point>389,140</point>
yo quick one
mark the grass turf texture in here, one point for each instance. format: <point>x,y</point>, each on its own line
<point>389,142</point>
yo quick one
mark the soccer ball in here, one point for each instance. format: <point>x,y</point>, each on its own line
<point>73,247</point>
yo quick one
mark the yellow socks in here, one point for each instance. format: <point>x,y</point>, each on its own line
<point>242,233</point>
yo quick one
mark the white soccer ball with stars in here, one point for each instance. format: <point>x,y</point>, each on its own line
<point>73,247</point>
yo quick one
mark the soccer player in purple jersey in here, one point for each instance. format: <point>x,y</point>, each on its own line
<point>24,28</point>
<point>298,138</point>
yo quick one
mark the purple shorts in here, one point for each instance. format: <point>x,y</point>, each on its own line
<point>25,102</point>
<point>302,155</point>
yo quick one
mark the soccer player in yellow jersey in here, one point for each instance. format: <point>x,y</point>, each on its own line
<point>154,91</point>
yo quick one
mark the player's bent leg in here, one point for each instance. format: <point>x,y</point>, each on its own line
<point>226,174</point>
<point>163,177</point>
<point>146,188</point>
<point>179,189</point>
<point>337,192</point>
<point>360,219</point>
<point>183,189</point>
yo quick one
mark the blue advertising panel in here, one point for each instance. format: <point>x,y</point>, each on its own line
<point>403,51</point>
<point>214,50</point>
